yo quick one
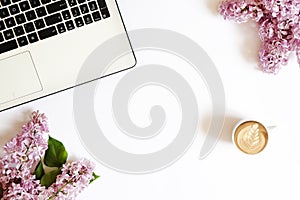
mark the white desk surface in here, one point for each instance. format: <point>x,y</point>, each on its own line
<point>226,173</point>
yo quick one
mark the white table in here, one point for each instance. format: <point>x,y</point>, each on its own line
<point>226,173</point>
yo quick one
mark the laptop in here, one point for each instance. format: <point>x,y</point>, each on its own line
<point>44,43</point>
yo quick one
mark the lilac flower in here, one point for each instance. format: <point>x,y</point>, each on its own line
<point>75,177</point>
<point>241,11</point>
<point>21,155</point>
<point>279,27</point>
<point>23,187</point>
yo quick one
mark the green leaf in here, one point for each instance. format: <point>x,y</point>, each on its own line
<point>95,177</point>
<point>39,171</point>
<point>50,178</point>
<point>56,154</point>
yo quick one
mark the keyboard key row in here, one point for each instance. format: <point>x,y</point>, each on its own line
<point>50,20</point>
<point>24,6</point>
<point>34,3</point>
<point>51,8</point>
<point>51,31</point>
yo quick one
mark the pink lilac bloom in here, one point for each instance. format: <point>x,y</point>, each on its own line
<point>75,177</point>
<point>279,27</point>
<point>21,156</point>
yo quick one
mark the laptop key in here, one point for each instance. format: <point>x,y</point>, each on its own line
<point>79,22</point>
<point>41,12</point>
<point>75,11</point>
<point>53,19</point>
<point>45,1</point>
<point>20,18</point>
<point>66,15</point>
<point>56,6</point>
<point>2,26</point>
<point>33,38</point>
<point>10,22</point>
<point>96,16</point>
<point>4,13</point>
<point>70,25</point>
<point>30,15</point>
<point>14,9</point>
<point>105,13</point>
<point>102,4</point>
<point>29,27</point>
<point>34,3</point>
<point>72,2</point>
<point>24,5</point>
<point>81,1</point>
<point>61,28</point>
<point>22,41</point>
<point>84,8</point>
<point>48,32</point>
<point>39,24</point>
<point>5,2</point>
<point>88,19</point>
<point>93,5</point>
<point>8,34</point>
<point>8,46</point>
<point>19,31</point>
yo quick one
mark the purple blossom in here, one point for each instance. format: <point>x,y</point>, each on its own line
<point>21,155</point>
<point>279,27</point>
<point>75,177</point>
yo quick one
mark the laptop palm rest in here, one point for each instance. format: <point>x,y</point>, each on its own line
<point>18,77</point>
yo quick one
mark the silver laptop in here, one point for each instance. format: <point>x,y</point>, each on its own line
<point>44,43</point>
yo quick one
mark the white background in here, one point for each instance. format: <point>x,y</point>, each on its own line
<point>226,173</point>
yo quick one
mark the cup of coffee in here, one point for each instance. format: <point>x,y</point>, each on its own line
<point>250,136</point>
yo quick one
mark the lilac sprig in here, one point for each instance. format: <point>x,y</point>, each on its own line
<point>279,27</point>
<point>74,178</point>
<point>20,155</point>
<point>26,151</point>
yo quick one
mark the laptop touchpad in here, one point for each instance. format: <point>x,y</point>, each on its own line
<point>18,77</point>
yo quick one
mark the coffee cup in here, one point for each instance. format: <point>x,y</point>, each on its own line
<point>250,136</point>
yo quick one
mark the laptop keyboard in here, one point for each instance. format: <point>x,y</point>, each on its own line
<point>23,22</point>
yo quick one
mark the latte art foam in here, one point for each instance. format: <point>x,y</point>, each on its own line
<point>251,137</point>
